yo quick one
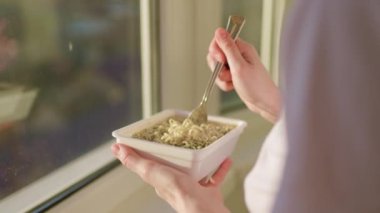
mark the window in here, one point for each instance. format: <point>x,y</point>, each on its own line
<point>69,75</point>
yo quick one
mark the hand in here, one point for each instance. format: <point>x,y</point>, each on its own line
<point>244,72</point>
<point>177,188</point>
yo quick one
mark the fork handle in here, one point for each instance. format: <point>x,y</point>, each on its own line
<point>234,26</point>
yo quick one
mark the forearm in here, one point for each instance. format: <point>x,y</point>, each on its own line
<point>204,207</point>
<point>203,202</point>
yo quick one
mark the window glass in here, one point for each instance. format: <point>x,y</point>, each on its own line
<point>69,75</point>
<point>252,11</point>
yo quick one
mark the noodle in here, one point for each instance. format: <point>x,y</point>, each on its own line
<point>181,132</point>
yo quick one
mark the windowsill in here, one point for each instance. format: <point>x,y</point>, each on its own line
<point>122,191</point>
<point>58,181</point>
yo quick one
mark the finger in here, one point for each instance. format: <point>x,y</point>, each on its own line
<point>247,50</point>
<point>215,51</point>
<point>218,177</point>
<point>211,61</point>
<point>115,149</point>
<point>150,171</point>
<point>132,160</point>
<point>224,85</point>
<point>224,80</point>
<point>225,74</point>
<point>229,48</point>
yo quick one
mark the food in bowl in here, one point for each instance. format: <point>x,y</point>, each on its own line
<point>178,131</point>
<point>198,163</point>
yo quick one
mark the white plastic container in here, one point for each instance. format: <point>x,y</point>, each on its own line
<point>196,163</point>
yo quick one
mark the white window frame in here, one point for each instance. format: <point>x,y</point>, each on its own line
<point>273,17</point>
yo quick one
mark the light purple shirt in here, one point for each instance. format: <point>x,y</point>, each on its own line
<point>330,57</point>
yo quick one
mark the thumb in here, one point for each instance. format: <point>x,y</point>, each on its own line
<point>229,48</point>
<point>127,156</point>
<point>219,176</point>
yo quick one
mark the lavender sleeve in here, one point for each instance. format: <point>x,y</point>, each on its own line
<point>330,60</point>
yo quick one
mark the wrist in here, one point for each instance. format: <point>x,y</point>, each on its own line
<point>200,205</point>
<point>208,208</point>
<point>268,106</point>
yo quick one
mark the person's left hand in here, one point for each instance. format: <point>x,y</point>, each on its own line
<point>182,192</point>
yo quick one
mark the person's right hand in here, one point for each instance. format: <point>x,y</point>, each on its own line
<point>244,72</point>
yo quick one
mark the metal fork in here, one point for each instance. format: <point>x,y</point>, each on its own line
<point>199,114</point>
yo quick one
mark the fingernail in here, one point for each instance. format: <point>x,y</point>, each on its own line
<point>211,180</point>
<point>223,34</point>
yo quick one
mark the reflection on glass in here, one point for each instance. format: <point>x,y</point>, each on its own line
<point>69,75</point>
<point>252,11</point>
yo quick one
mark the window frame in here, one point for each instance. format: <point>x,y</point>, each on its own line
<point>272,22</point>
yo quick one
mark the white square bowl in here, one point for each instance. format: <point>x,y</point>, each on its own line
<point>197,163</point>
